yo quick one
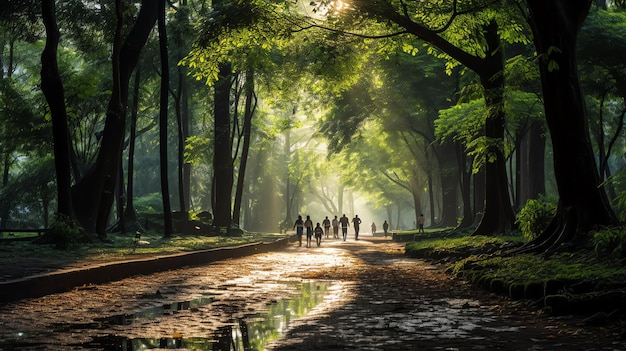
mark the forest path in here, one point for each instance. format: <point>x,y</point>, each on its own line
<point>352,295</point>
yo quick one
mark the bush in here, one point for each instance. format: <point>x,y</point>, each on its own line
<point>535,216</point>
<point>149,203</point>
<point>610,242</point>
<point>64,233</point>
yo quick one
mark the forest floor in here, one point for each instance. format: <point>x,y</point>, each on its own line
<point>376,298</point>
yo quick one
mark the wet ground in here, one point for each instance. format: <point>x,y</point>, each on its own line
<point>353,295</point>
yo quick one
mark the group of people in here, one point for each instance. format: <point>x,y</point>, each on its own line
<point>319,230</point>
<point>305,226</point>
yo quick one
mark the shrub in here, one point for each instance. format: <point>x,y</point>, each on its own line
<point>610,242</point>
<point>149,203</point>
<point>65,233</point>
<point>535,216</point>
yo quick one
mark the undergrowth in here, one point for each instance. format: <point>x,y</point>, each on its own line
<point>532,267</point>
<point>461,242</point>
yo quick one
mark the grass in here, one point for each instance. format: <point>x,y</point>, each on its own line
<point>461,242</point>
<point>471,260</point>
<point>574,266</point>
<point>121,247</point>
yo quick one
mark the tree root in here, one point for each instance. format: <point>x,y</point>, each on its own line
<point>561,230</point>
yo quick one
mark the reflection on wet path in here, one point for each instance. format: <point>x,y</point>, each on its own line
<point>252,332</point>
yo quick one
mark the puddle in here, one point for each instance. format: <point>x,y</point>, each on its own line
<point>128,319</point>
<point>250,333</point>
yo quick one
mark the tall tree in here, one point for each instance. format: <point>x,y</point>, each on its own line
<point>583,203</point>
<point>250,105</point>
<point>222,158</point>
<point>485,58</point>
<point>52,87</point>
<point>92,196</point>
<point>129,210</point>
<point>165,81</point>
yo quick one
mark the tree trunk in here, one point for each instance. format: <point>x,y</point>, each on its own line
<point>532,182</point>
<point>583,204</point>
<point>182,129</point>
<point>93,195</point>
<point>165,83</point>
<point>180,168</point>
<point>449,185</point>
<point>52,88</point>
<point>4,219</point>
<point>247,126</point>
<point>287,196</point>
<point>465,184</point>
<point>340,192</point>
<point>129,212</point>
<point>119,199</point>
<point>498,214</point>
<point>416,193</point>
<point>431,196</point>
<point>479,196</point>
<point>186,187</point>
<point>222,159</point>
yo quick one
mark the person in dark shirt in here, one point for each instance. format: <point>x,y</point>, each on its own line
<point>335,228</point>
<point>356,221</point>
<point>308,225</point>
<point>345,223</point>
<point>318,234</point>
<point>299,227</point>
<point>326,223</point>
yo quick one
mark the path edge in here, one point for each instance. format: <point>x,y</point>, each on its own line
<point>65,280</point>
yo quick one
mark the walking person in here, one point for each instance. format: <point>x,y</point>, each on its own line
<point>326,223</point>
<point>345,223</point>
<point>308,225</point>
<point>385,227</point>
<point>356,221</point>
<point>299,227</point>
<point>373,228</point>
<point>335,228</point>
<point>318,234</point>
<point>420,222</point>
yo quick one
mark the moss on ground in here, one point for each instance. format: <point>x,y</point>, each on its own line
<point>485,262</point>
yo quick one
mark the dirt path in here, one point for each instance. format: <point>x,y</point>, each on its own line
<point>365,295</point>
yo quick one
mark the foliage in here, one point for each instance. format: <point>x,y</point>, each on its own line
<point>149,203</point>
<point>198,150</point>
<point>65,233</point>
<point>235,32</point>
<point>530,267</point>
<point>349,112</point>
<point>610,242</point>
<point>535,216</point>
